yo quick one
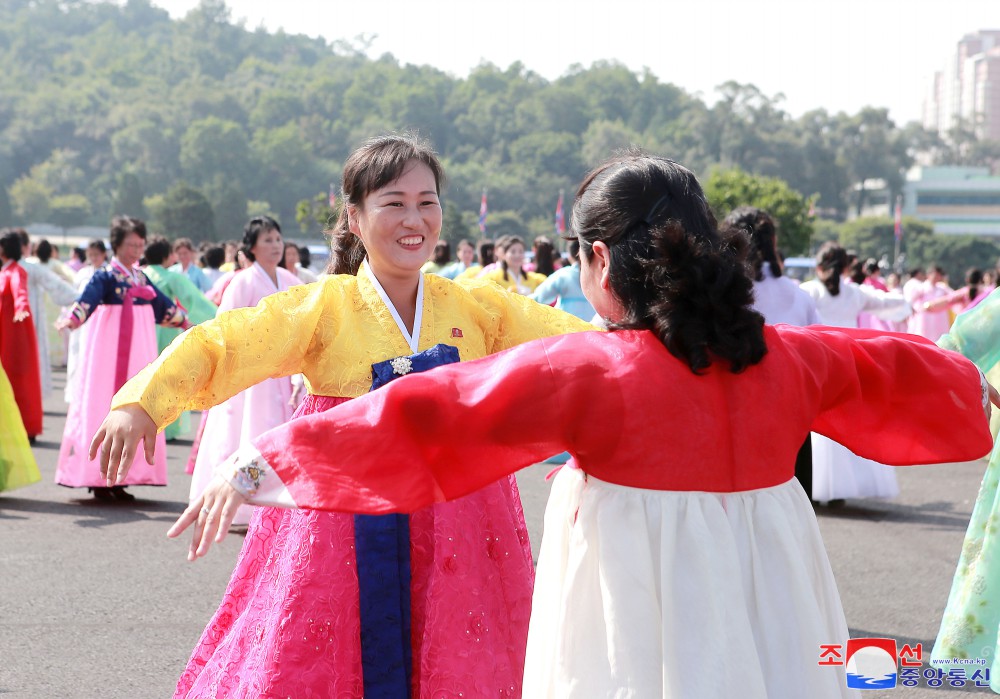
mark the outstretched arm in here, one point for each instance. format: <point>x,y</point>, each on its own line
<point>408,444</point>
<point>207,365</point>
<point>976,333</point>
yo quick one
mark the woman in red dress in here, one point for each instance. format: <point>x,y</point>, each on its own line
<point>18,346</point>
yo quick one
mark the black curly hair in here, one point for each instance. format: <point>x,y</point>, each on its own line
<point>671,269</point>
<point>759,229</point>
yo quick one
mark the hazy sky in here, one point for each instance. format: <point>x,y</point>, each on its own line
<point>836,54</point>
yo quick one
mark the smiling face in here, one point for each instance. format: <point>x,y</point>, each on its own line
<point>400,223</point>
<point>513,255</point>
<point>466,253</point>
<point>268,249</point>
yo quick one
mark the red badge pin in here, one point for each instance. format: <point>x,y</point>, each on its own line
<point>457,332</point>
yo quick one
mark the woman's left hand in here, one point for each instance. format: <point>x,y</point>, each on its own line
<point>212,514</point>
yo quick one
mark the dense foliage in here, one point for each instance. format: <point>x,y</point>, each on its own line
<point>197,121</point>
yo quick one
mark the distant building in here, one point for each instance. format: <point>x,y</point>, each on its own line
<point>969,88</point>
<point>955,199</point>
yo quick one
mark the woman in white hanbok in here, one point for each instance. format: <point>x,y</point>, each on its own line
<point>839,473</point>
<point>42,281</point>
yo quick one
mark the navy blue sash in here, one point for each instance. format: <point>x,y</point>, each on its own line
<point>382,549</point>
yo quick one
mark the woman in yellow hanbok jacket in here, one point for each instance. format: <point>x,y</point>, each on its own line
<point>322,604</point>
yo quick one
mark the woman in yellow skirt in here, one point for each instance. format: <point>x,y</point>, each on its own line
<point>17,463</point>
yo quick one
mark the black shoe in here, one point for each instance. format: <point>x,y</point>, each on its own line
<point>119,493</point>
<point>837,502</point>
<point>32,440</point>
<point>103,494</point>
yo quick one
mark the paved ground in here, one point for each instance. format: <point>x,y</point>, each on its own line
<point>95,602</point>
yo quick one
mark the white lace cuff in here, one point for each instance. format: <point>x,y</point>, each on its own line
<point>250,474</point>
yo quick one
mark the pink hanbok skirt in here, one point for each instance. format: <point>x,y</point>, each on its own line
<point>289,622</point>
<point>95,388</point>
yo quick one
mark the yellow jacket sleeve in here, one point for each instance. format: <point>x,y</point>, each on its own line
<point>519,318</point>
<point>219,358</point>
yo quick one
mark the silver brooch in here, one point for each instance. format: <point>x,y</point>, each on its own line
<point>401,366</point>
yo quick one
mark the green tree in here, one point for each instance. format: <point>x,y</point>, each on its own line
<point>60,172</point>
<point>875,237</point>
<point>128,197</point>
<point>603,138</point>
<point>452,227</point>
<point>69,210</point>
<point>508,223</point>
<point>185,212</point>
<point>31,200</point>
<point>6,212</point>
<point>871,148</point>
<point>728,189</point>
<point>214,147</point>
<point>230,208</point>
<point>315,215</point>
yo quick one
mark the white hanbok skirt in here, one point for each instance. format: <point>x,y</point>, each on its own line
<point>839,473</point>
<point>647,593</point>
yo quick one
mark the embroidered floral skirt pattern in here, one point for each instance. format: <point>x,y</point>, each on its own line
<point>289,622</point>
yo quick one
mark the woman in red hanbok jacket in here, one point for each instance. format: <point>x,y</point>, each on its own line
<point>680,556</point>
<point>18,345</point>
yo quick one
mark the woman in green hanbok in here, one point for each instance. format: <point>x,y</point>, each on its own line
<point>970,627</point>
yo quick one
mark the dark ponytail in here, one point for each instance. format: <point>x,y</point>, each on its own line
<point>831,261</point>
<point>973,279</point>
<point>347,252</point>
<point>670,268</point>
<point>503,244</point>
<point>43,250</point>
<point>757,226</point>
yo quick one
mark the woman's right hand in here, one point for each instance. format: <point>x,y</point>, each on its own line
<point>118,438</point>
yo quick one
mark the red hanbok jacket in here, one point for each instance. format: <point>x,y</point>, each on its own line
<point>19,347</point>
<point>630,413</point>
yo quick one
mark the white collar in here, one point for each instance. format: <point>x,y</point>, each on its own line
<point>412,340</point>
<point>262,273</point>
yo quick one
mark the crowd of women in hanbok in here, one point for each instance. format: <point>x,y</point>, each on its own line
<point>364,423</point>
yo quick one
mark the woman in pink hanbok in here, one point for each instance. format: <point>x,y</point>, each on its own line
<point>930,323</point>
<point>873,280</point>
<point>117,314</point>
<point>964,299</point>
<point>268,403</point>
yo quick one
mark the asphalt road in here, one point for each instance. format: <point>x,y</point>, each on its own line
<point>95,601</point>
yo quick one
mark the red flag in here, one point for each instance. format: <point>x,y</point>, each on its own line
<point>482,214</point>
<point>898,227</point>
<point>560,217</point>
